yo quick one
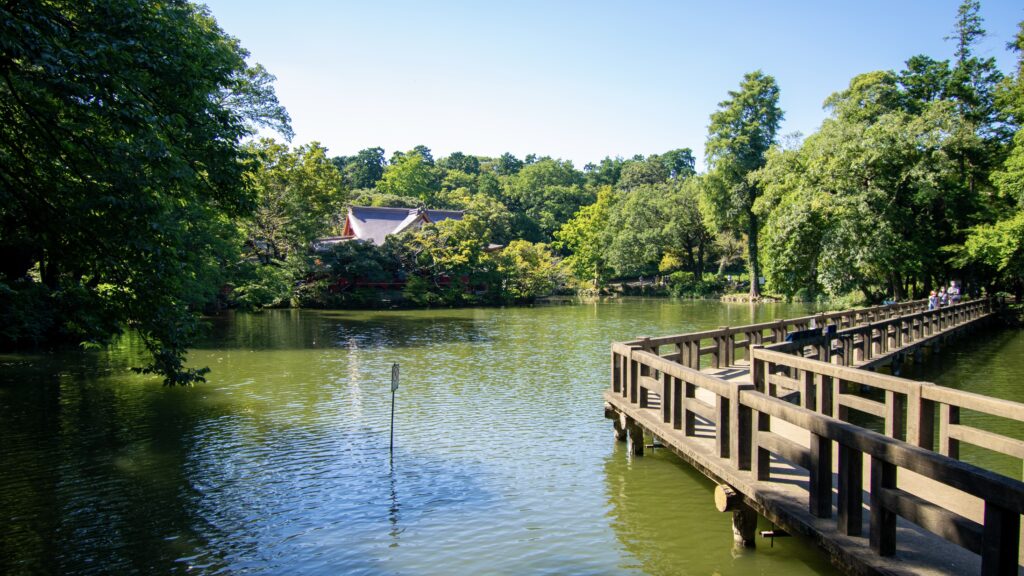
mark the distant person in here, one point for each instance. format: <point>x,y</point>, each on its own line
<point>954,293</point>
<point>943,297</point>
<point>933,301</point>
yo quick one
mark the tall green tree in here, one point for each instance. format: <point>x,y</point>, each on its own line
<point>121,167</point>
<point>410,175</point>
<point>461,162</point>
<point>739,136</point>
<point>544,195</point>
<point>364,169</point>
<point>998,247</point>
<point>585,236</point>
<point>299,197</point>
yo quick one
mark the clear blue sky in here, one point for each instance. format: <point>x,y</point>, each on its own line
<point>573,79</point>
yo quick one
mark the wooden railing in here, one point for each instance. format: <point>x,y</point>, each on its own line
<point>739,418</point>
<point>718,348</point>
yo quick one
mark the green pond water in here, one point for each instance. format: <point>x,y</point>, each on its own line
<point>503,462</point>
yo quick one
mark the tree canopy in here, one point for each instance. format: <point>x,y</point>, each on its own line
<point>739,136</point>
<point>121,166</point>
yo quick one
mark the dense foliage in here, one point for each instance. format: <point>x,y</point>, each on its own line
<point>132,194</point>
<point>121,170</point>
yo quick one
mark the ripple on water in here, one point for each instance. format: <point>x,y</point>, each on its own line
<point>503,463</point>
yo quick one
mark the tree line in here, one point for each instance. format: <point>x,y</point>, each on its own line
<point>133,194</point>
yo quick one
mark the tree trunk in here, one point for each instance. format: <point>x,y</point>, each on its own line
<point>48,271</point>
<point>755,266</point>
<point>700,261</point>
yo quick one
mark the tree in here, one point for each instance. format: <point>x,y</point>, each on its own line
<point>740,134</point>
<point>998,247</point>
<point>685,234</point>
<point>410,175</point>
<point>584,237</point>
<point>527,271</point>
<point>636,242</point>
<point>544,195</point>
<point>679,163</point>
<point>298,199</point>
<point>461,162</point>
<point>606,173</point>
<point>448,263</point>
<point>364,169</point>
<point>508,165</point>
<point>122,168</point>
<point>643,172</point>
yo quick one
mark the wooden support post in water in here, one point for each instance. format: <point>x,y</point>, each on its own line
<point>744,518</point>
<point>619,426</point>
<point>636,437</point>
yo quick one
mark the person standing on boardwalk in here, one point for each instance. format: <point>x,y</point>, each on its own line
<point>943,298</point>
<point>954,292</point>
<point>933,301</point>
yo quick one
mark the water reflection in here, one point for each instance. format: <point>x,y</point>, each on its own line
<point>991,365</point>
<point>310,329</point>
<point>280,462</point>
<point>663,513</point>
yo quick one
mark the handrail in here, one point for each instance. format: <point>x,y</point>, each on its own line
<point>823,390</point>
<point>741,416</point>
<point>689,349</point>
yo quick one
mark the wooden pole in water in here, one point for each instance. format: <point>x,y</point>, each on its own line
<point>394,388</point>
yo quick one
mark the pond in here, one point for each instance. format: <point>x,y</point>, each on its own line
<point>502,464</point>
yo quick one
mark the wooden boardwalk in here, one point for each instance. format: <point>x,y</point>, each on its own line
<point>764,411</point>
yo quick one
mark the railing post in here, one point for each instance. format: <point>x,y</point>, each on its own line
<point>883,520</point>
<point>820,495</point>
<point>667,398</point>
<point>616,373</point>
<point>920,418</point>
<point>695,354</point>
<point>723,434</point>
<point>826,399</point>
<point>690,417</point>
<point>677,403</point>
<point>722,356</point>
<point>1000,542</point>
<point>851,487</point>
<point>948,446</point>
<point>894,403</point>
<point>644,370</point>
<point>633,377</point>
<point>759,457</point>
<point>808,392</point>
<point>740,437</point>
